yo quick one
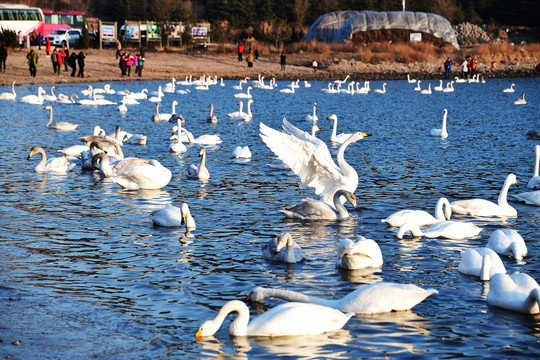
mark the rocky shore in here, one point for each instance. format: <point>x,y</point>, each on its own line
<point>101,65</point>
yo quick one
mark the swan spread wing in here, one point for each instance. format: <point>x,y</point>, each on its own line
<point>307,156</point>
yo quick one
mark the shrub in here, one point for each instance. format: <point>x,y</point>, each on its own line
<point>9,37</point>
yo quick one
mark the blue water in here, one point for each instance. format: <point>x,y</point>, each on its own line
<point>83,274</point>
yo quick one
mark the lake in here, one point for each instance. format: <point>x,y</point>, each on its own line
<point>84,274</point>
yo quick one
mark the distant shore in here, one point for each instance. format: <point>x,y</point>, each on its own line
<point>101,65</point>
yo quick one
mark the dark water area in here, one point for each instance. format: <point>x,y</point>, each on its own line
<point>84,274</point>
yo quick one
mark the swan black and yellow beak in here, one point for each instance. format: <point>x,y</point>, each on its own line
<point>364,135</point>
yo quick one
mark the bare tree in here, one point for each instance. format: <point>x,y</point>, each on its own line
<point>300,11</point>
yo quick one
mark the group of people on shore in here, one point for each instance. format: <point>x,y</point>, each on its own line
<point>467,67</point>
<point>127,61</point>
<point>59,58</point>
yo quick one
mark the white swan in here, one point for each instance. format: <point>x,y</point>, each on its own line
<point>9,95</point>
<point>135,139</point>
<point>444,229</point>
<point>242,116</point>
<point>160,117</point>
<point>205,139</point>
<point>88,91</point>
<point>439,87</point>
<point>309,158</point>
<point>34,99</point>
<point>158,97</point>
<point>64,99</point>
<point>510,89</point>
<point>307,84</point>
<point>530,198</point>
<point>75,150</point>
<point>442,133</point>
<point>60,165</point>
<point>311,209</point>
<point>241,152</point>
<point>481,262</point>
<point>87,156</point>
<point>235,114</point>
<point>335,138</point>
<point>282,249</point>
<point>143,94</point>
<point>409,80</point>
<point>106,90</point>
<point>458,80</point>
<point>51,97</point>
<point>287,90</point>
<point>418,88</point>
<point>313,117</point>
<point>211,118</point>
<point>102,162</point>
<point>172,216</point>
<point>426,91</point>
<point>507,242</point>
<point>239,86</point>
<point>520,101</point>
<point>245,95</point>
<point>381,91</point>
<point>362,254</point>
<point>146,176</point>
<point>481,207</point>
<point>534,183</point>
<point>449,87</point>
<point>289,319</point>
<point>122,107</point>
<point>199,172</point>
<point>380,297</point>
<point>60,126</point>
<point>516,292</point>
<point>421,217</point>
<point>178,146</point>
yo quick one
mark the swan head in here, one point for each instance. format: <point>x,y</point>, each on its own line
<point>202,152</point>
<point>257,294</point>
<point>357,136</point>
<point>332,117</point>
<point>282,241</point>
<point>349,196</point>
<point>48,107</point>
<point>512,179</point>
<point>250,101</point>
<point>33,151</point>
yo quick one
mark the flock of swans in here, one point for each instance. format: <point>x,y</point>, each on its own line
<point>309,158</point>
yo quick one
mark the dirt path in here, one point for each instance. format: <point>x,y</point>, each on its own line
<point>101,65</point>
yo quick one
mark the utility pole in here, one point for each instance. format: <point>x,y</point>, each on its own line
<point>403,3</point>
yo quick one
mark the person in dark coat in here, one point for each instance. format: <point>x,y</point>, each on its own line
<point>80,62</point>
<point>72,62</point>
<point>283,60</point>
<point>3,57</point>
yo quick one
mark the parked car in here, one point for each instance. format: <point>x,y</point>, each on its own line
<point>63,37</point>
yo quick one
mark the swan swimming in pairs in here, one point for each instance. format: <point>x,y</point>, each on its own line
<point>449,87</point>
<point>517,292</point>
<point>289,319</point>
<point>282,249</point>
<point>243,116</point>
<point>362,254</point>
<point>309,158</point>
<point>380,297</point>
<point>481,207</point>
<point>442,133</point>
<point>59,165</point>
<point>421,217</point>
<point>60,126</point>
<point>9,95</point>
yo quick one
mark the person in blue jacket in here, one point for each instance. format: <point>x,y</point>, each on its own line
<point>447,68</point>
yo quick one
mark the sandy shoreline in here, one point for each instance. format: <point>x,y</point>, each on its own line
<point>101,65</point>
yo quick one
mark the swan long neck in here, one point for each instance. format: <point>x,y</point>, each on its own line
<point>202,165</point>
<point>442,210</point>
<point>13,88</point>
<point>348,170</point>
<point>314,110</point>
<point>174,107</point>
<point>239,325</point>
<point>502,201</point>
<point>50,117</point>
<point>211,110</point>
<point>334,129</point>
<point>249,108</point>
<point>261,293</point>
<point>537,163</point>
<point>105,165</point>
<point>341,212</point>
<point>444,122</point>
<point>157,108</point>
<point>179,124</point>
<point>41,165</point>
<point>413,228</point>
<point>485,271</point>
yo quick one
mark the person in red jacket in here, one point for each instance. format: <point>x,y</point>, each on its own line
<point>47,46</point>
<point>240,51</point>
<point>61,60</point>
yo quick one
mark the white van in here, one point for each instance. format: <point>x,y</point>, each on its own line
<point>132,32</point>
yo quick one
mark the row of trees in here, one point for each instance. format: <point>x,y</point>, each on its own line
<point>261,17</point>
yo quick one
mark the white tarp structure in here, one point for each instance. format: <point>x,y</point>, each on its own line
<point>341,25</point>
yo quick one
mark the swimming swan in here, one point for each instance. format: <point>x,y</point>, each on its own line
<point>510,89</point>
<point>418,88</point>
<point>507,242</point>
<point>534,183</point>
<point>211,118</point>
<point>60,126</point>
<point>245,95</point>
<point>309,158</point>
<point>34,99</point>
<point>421,217</point>
<point>381,297</point>
<point>339,139</point>
<point>481,207</point>
<point>160,117</point>
<point>242,116</point>
<point>241,152</point>
<point>289,319</point>
<point>426,91</point>
<point>51,97</point>
<point>9,95</point>
<point>178,146</point>
<point>530,198</point>
<point>442,133</point>
<point>60,165</point>
<point>283,249</point>
<point>439,87</point>
<point>516,292</point>
<point>313,117</point>
<point>381,91</point>
<point>109,166</point>
<point>520,101</point>
<point>362,254</point>
<point>172,216</point>
<point>444,229</point>
<point>199,172</point>
<point>481,262</point>
<point>449,87</point>
<point>311,209</point>
<point>146,176</point>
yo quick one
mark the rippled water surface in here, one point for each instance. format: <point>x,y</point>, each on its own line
<point>83,274</point>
